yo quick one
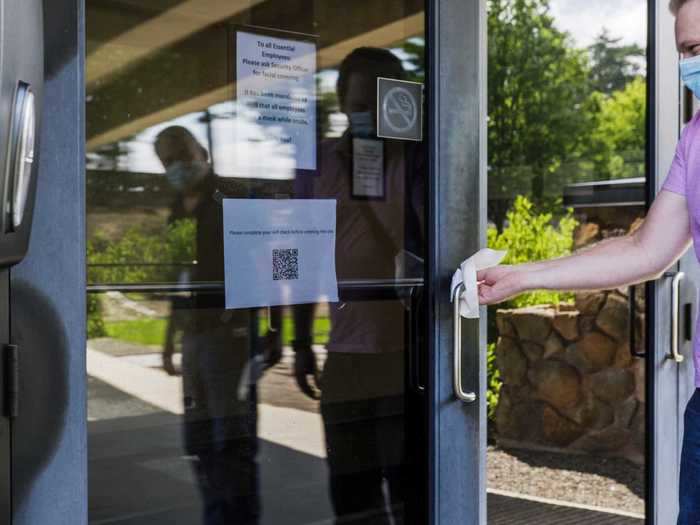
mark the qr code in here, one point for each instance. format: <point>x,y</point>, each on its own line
<point>285,265</point>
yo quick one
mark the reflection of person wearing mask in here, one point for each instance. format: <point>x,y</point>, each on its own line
<point>362,388</point>
<point>219,423</point>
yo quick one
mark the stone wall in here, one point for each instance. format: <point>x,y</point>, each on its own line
<point>569,379</point>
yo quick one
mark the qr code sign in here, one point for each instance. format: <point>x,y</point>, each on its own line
<point>285,265</point>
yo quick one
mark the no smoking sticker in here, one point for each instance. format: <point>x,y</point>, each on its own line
<point>399,109</point>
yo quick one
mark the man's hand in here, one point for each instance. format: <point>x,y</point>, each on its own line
<point>500,283</point>
<point>305,366</point>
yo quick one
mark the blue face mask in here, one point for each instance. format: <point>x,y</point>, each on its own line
<point>180,174</point>
<point>690,73</point>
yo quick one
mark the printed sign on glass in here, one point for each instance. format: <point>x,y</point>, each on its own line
<point>275,130</point>
<point>279,252</point>
<point>399,109</point>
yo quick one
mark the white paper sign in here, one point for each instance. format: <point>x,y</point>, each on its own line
<point>279,252</point>
<point>367,168</point>
<point>276,94</point>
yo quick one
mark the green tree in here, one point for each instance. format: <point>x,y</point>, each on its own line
<point>617,143</point>
<point>614,65</point>
<point>139,257</point>
<point>538,92</point>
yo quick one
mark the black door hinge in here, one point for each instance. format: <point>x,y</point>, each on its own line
<point>11,358</point>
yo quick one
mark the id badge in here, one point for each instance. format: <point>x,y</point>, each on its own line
<point>368,169</point>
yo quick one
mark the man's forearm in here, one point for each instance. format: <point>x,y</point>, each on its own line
<point>609,264</point>
<point>661,240</point>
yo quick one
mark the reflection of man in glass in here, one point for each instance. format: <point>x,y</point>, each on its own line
<point>220,420</point>
<point>362,385</point>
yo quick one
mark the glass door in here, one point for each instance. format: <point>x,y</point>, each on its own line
<point>257,243</point>
<point>568,417</point>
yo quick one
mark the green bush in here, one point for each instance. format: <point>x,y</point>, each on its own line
<point>138,257</point>
<point>493,380</point>
<point>530,236</point>
<point>95,323</point>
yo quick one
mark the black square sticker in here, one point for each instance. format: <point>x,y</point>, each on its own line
<point>399,109</point>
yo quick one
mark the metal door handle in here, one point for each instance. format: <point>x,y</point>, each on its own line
<point>675,317</point>
<point>467,397</point>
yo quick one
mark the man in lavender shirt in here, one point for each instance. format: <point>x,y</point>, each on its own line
<point>672,224</point>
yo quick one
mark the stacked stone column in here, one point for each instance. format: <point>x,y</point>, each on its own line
<point>570,381</point>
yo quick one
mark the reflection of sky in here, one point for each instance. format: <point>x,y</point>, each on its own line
<point>585,19</point>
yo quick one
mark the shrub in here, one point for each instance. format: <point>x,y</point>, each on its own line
<point>95,324</point>
<point>531,236</point>
<point>138,257</point>
<point>493,383</point>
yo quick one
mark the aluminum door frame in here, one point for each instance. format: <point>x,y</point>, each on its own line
<point>457,218</point>
<point>5,428</point>
<point>669,384</point>
<point>49,485</point>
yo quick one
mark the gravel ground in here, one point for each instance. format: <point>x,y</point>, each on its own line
<point>589,480</point>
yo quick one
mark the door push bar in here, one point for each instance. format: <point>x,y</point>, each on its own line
<point>675,315</point>
<point>466,397</point>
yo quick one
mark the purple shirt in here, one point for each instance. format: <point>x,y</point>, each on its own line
<point>684,179</point>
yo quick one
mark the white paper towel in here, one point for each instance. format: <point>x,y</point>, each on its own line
<point>466,273</point>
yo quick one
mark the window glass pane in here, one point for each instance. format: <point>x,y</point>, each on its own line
<point>279,413</point>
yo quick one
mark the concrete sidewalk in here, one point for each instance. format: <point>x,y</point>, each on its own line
<point>139,476</point>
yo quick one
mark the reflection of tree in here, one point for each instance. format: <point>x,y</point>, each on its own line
<point>327,105</point>
<point>207,118</point>
<point>109,157</point>
<point>414,63</point>
<point>138,256</point>
<point>614,65</point>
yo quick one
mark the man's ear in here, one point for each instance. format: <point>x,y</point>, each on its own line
<point>205,153</point>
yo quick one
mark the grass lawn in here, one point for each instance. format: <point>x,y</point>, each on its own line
<point>152,331</point>
<point>139,331</point>
<point>322,326</point>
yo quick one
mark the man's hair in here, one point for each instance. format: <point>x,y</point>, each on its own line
<point>178,143</point>
<point>675,5</point>
<point>370,61</point>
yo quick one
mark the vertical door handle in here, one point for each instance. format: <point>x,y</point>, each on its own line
<point>675,319</point>
<point>467,397</point>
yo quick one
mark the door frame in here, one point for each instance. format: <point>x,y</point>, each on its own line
<point>458,65</point>
<point>49,470</point>
<point>457,218</point>
<point>5,424</point>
